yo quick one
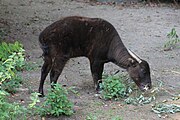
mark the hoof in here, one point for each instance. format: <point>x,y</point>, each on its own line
<point>41,95</point>
<point>98,90</point>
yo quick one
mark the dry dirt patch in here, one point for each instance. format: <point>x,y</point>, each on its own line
<point>142,29</point>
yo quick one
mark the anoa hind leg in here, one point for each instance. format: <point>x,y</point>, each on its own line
<point>57,68</point>
<point>44,72</point>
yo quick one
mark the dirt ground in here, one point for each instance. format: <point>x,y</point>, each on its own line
<point>143,29</point>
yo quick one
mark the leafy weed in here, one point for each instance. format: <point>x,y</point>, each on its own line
<point>173,40</point>
<point>113,87</point>
<point>57,103</point>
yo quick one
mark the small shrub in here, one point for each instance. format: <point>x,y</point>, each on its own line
<point>33,108</point>
<point>113,87</point>
<point>11,61</point>
<point>57,103</point>
<point>35,99</point>
<point>173,40</point>
<point>7,49</point>
<point>10,111</point>
<point>8,67</point>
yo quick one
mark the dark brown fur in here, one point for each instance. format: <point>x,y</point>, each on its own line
<point>93,38</point>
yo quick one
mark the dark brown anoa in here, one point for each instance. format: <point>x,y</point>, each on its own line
<point>93,38</point>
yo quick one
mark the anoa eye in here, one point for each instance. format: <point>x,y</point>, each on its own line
<point>143,71</point>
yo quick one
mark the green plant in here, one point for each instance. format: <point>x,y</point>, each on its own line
<point>140,100</point>
<point>144,98</point>
<point>11,61</point>
<point>162,108</point>
<point>11,85</point>
<point>113,87</point>
<point>173,40</point>
<point>57,103</point>
<point>33,107</point>
<point>35,99</point>
<point>7,49</point>
<point>10,111</point>
<point>8,67</point>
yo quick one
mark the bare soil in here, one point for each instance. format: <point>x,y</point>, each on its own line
<point>143,29</point>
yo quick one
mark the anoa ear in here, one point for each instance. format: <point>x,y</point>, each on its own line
<point>131,62</point>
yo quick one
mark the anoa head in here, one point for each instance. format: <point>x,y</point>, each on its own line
<point>139,71</point>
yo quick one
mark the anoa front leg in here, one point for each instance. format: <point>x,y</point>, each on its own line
<point>97,70</point>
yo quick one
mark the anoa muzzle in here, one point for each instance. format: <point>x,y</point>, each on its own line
<point>94,38</point>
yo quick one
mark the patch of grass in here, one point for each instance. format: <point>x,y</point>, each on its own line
<point>173,40</point>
